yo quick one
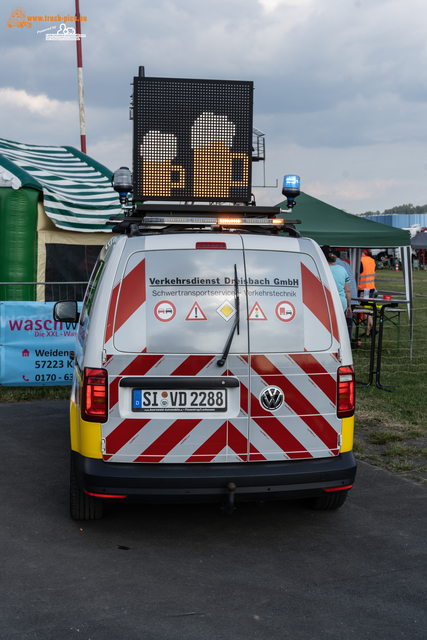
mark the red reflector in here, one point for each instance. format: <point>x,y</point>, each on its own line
<point>102,495</point>
<point>345,392</point>
<point>338,488</point>
<point>95,396</point>
<point>211,245</point>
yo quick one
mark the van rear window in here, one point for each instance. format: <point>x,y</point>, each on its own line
<point>187,301</point>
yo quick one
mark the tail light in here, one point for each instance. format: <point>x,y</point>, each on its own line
<point>345,392</point>
<point>211,245</point>
<point>331,489</point>
<point>103,495</point>
<point>95,395</point>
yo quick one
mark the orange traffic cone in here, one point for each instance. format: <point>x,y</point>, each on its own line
<point>396,268</point>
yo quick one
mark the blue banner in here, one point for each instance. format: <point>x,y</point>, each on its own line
<point>34,350</point>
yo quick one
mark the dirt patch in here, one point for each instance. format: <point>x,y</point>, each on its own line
<point>396,446</point>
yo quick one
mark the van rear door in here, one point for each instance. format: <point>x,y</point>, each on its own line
<point>293,359</point>
<point>173,308</point>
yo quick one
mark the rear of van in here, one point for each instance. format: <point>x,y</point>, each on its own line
<point>211,367</point>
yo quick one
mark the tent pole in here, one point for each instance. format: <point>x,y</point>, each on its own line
<point>355,255</point>
<point>405,253</point>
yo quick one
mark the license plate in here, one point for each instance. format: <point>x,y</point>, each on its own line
<point>179,400</point>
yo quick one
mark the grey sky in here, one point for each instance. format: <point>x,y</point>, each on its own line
<point>340,85</point>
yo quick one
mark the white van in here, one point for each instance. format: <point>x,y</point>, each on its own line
<point>211,364</point>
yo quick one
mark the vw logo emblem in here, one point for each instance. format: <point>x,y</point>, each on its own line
<point>271,398</point>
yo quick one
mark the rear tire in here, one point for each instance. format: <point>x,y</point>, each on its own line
<point>328,501</point>
<point>82,506</point>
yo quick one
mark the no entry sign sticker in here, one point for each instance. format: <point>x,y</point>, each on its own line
<point>165,311</point>
<point>285,311</point>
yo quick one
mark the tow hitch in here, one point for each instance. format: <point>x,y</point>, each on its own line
<point>229,507</point>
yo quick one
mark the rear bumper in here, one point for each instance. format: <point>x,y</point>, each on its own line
<point>208,482</point>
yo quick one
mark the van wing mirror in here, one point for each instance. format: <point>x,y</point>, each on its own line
<point>66,311</point>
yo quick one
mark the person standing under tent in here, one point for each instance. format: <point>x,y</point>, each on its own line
<point>353,291</point>
<point>341,278</point>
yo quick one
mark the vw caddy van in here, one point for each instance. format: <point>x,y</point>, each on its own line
<point>211,364</point>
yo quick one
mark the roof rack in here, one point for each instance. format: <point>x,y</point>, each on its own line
<point>171,208</point>
<point>178,218</point>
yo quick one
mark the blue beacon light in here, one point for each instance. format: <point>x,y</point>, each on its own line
<point>291,189</point>
<point>122,183</point>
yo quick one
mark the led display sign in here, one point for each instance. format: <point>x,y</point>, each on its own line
<point>192,140</point>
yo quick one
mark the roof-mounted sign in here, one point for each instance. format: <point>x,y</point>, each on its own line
<point>192,140</point>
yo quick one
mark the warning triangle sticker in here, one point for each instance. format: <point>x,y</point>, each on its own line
<point>196,313</point>
<point>257,313</point>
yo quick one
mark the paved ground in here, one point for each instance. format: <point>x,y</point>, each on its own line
<point>189,573</point>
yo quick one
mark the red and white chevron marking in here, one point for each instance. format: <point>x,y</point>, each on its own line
<point>302,428</point>
<point>128,317</point>
<point>305,426</point>
<point>320,323</point>
<point>163,439</point>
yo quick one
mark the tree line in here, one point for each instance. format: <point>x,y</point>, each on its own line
<point>402,209</point>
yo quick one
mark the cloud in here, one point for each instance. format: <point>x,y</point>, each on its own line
<point>38,119</point>
<point>357,179</point>
<point>340,87</point>
<point>113,151</point>
<point>39,104</point>
<point>354,190</point>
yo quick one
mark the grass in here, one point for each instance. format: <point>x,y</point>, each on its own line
<point>399,451</point>
<point>391,426</point>
<point>402,374</point>
<point>28,394</point>
<point>383,437</point>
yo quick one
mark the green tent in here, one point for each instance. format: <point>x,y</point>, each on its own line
<point>328,225</point>
<point>54,206</point>
<point>75,189</point>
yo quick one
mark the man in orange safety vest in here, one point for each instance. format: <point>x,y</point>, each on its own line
<point>367,282</point>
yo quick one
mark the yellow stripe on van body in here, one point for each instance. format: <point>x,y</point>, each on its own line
<point>347,434</point>
<point>85,436</point>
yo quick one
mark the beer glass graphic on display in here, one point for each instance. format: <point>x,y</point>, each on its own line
<point>158,151</point>
<point>211,138</point>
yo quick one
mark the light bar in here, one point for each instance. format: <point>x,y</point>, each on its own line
<point>223,222</point>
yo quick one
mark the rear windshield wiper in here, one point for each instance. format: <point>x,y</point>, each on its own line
<point>236,323</point>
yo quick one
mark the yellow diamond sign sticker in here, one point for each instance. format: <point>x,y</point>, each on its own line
<point>226,310</point>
